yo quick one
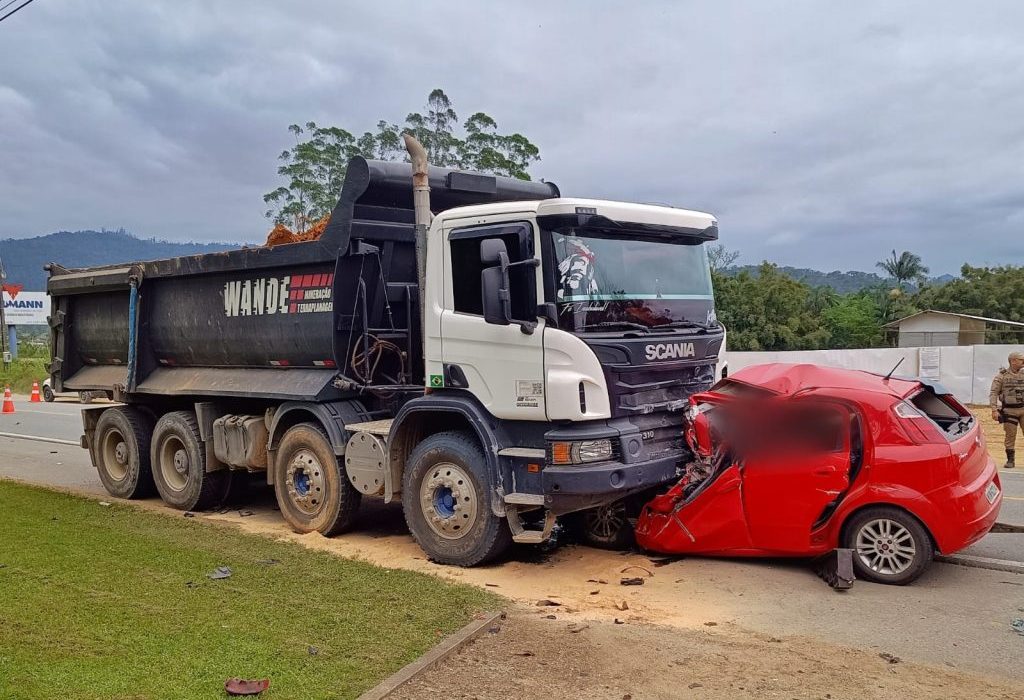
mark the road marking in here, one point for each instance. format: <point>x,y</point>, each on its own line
<point>39,438</point>
<point>45,413</point>
<point>983,562</point>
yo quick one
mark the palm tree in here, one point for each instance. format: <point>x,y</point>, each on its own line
<point>904,267</point>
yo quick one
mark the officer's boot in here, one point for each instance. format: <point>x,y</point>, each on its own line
<point>1009,459</point>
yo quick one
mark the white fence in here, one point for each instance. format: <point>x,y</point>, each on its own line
<point>965,370</point>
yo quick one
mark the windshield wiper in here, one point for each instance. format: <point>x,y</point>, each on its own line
<point>615,324</point>
<point>687,324</point>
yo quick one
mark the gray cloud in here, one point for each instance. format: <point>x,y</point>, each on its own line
<point>819,134</point>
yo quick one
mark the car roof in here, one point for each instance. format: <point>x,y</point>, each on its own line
<point>787,379</point>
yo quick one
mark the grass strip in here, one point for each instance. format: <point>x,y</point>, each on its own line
<point>113,602</point>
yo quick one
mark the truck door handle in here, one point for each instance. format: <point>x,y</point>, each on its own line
<point>824,471</point>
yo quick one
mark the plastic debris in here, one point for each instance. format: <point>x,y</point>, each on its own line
<point>239,686</point>
<point>548,603</point>
<point>312,650</point>
<point>105,504</point>
<point>633,581</point>
<point>220,572</point>
<point>639,568</point>
<point>1018,626</point>
<point>891,658</point>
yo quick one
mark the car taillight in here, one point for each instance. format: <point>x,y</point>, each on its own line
<point>917,426</point>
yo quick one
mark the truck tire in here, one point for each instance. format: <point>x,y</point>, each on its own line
<point>446,498</point>
<point>48,396</point>
<point>312,490</point>
<point>889,545</point>
<point>120,451</point>
<point>179,464</point>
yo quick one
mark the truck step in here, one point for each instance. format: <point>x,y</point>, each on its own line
<point>525,499</point>
<point>530,537</point>
<point>374,427</point>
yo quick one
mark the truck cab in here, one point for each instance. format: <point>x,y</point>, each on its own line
<point>570,333</point>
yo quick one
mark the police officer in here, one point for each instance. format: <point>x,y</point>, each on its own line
<point>1008,389</point>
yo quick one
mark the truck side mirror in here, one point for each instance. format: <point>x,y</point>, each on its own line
<point>497,299</point>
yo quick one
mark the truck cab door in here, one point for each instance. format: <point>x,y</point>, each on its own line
<point>501,365</point>
<point>788,484</point>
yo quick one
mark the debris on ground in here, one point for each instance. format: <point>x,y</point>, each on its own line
<point>633,581</point>
<point>191,584</point>
<point>312,650</point>
<point>492,585</point>
<point>221,572</point>
<point>619,622</point>
<point>245,513</point>
<point>639,568</point>
<point>239,686</point>
<point>1018,626</point>
<point>575,630</point>
<point>548,603</point>
<point>711,624</point>
<point>188,514</point>
<point>105,504</point>
<point>550,617</point>
<point>268,562</point>
<point>622,606</point>
<point>891,658</point>
<point>596,580</point>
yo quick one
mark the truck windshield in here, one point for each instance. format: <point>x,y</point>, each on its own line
<point>603,280</point>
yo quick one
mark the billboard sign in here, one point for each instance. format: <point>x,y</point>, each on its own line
<point>23,308</point>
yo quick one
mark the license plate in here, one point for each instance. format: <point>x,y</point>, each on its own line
<point>991,492</point>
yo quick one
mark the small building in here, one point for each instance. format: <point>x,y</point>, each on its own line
<point>936,328</point>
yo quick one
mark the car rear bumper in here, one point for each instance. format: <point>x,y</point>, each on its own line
<point>970,515</point>
<point>568,489</point>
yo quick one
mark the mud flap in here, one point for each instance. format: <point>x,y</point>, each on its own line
<point>836,568</point>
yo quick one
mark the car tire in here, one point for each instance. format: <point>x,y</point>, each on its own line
<point>120,451</point>
<point>48,396</point>
<point>605,527</point>
<point>178,457</point>
<point>889,545</point>
<point>446,499</point>
<point>313,492</point>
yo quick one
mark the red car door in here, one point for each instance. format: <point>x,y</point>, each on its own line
<point>787,488</point>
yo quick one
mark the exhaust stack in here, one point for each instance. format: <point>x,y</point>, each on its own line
<point>423,217</point>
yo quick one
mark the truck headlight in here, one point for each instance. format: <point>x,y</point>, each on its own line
<point>581,451</point>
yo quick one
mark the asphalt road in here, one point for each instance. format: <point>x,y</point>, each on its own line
<point>63,463</point>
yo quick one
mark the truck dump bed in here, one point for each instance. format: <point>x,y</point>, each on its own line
<point>267,323</point>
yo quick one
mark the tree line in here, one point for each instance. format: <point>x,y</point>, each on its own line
<point>767,310</point>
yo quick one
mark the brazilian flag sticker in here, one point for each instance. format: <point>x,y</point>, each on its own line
<point>437,380</point>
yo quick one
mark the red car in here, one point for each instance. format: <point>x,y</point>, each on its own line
<point>797,460</point>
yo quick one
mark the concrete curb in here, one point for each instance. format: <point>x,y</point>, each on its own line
<point>443,650</point>
<point>1014,567</point>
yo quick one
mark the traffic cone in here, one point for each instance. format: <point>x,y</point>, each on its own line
<point>8,401</point>
<point>35,393</point>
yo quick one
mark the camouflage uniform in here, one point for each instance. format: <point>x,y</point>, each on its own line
<point>1008,390</point>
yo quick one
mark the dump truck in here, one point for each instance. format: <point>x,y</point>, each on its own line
<point>491,353</point>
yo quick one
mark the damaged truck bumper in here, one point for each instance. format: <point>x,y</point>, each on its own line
<point>577,487</point>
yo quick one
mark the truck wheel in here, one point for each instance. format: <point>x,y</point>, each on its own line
<point>48,396</point>
<point>179,464</point>
<point>313,493</point>
<point>120,450</point>
<point>446,498</point>
<point>889,545</point>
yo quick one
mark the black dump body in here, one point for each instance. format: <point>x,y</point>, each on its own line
<point>315,320</point>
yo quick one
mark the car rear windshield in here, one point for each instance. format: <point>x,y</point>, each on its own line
<point>946,412</point>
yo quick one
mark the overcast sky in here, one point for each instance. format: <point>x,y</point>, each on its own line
<point>819,134</point>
